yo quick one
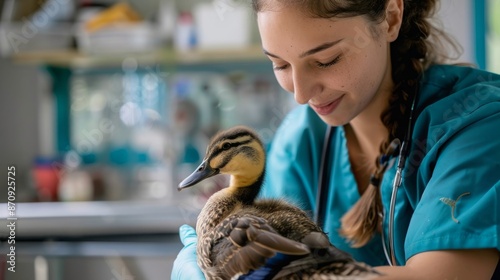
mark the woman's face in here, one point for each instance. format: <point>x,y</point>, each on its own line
<point>340,67</point>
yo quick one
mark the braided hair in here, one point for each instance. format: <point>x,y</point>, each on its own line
<point>419,45</point>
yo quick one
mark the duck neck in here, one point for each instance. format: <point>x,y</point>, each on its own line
<point>221,204</point>
<point>247,194</point>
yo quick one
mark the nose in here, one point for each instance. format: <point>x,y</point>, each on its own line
<point>305,86</point>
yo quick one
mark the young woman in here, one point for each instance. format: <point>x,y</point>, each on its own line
<point>373,71</point>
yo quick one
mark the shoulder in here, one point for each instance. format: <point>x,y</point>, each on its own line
<point>447,84</point>
<point>452,97</point>
<point>441,75</point>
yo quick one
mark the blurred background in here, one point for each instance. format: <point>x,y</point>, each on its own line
<point>106,105</point>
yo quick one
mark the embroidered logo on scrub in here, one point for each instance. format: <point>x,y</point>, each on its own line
<point>452,203</point>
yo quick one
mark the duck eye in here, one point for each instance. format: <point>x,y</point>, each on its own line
<point>226,146</point>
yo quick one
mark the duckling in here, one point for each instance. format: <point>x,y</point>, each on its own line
<point>238,233</point>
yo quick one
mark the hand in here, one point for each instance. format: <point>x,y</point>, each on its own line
<point>185,265</point>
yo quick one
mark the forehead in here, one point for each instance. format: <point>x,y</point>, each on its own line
<point>289,30</point>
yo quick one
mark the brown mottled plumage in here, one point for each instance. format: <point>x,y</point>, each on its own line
<point>238,234</point>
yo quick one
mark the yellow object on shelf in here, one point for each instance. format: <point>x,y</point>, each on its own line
<point>120,13</point>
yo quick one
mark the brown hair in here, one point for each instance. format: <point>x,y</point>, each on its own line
<point>418,45</point>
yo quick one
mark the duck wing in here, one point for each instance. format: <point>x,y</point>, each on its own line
<point>244,243</point>
<point>326,263</point>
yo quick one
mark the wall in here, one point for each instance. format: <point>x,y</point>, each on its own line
<point>456,18</point>
<point>22,91</point>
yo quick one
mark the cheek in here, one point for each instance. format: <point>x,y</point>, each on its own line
<point>371,69</point>
<point>285,80</point>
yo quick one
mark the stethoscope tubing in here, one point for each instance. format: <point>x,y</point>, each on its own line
<point>324,179</point>
<point>391,258</point>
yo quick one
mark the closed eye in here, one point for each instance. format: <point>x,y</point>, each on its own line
<point>328,64</point>
<point>319,64</point>
<point>279,68</point>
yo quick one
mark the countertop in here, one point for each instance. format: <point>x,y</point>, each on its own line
<point>97,218</point>
<point>94,229</point>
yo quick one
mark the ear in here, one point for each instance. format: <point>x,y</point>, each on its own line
<point>393,18</point>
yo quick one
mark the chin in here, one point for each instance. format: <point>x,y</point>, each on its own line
<point>333,121</point>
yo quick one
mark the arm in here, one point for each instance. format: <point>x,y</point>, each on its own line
<point>447,264</point>
<point>459,174</point>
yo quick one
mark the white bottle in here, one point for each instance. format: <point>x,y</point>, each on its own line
<point>185,37</point>
<point>76,185</point>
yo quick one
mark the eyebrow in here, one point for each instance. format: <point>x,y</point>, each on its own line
<point>314,50</point>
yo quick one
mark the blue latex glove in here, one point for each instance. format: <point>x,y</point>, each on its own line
<point>185,266</point>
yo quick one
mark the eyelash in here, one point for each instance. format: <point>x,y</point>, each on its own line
<point>326,65</point>
<point>279,68</point>
<point>319,64</point>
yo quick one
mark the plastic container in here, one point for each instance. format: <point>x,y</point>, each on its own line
<point>222,25</point>
<point>17,37</point>
<point>46,174</point>
<point>126,38</point>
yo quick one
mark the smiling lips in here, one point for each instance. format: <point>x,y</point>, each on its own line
<point>327,108</point>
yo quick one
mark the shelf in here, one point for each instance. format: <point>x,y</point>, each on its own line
<point>98,218</point>
<point>77,59</point>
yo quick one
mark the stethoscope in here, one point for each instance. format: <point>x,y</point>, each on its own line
<point>324,179</point>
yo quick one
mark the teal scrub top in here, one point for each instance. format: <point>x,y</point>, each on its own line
<point>449,197</point>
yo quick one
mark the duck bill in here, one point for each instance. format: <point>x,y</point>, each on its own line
<point>201,173</point>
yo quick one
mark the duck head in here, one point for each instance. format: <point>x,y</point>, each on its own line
<point>238,152</point>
